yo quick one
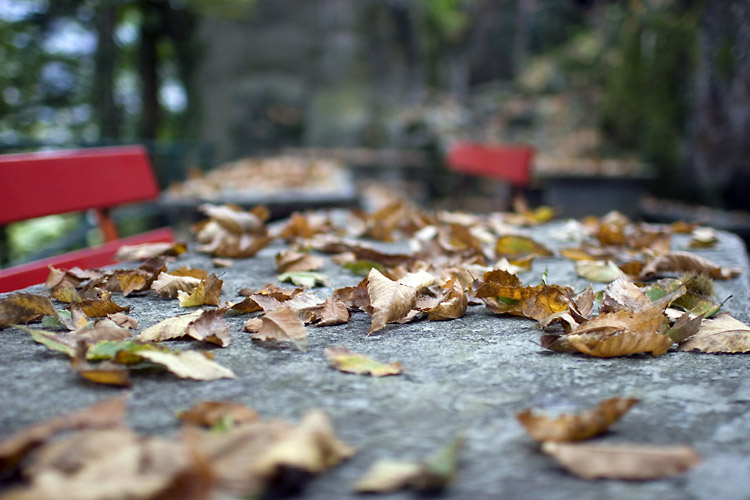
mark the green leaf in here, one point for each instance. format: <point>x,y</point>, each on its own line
<point>597,270</point>
<point>362,267</point>
<point>122,351</point>
<point>307,279</point>
<point>51,340</point>
<point>55,321</point>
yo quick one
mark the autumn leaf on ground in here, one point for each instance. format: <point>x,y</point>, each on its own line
<point>125,352</point>
<point>213,413</point>
<point>189,364</point>
<point>311,446</point>
<point>623,295</point>
<point>680,262</point>
<point>576,427</point>
<point>433,474</point>
<point>103,329</point>
<point>333,312</point>
<point>106,414</point>
<point>129,281</point>
<point>208,292</point>
<point>355,297</point>
<point>636,462</point>
<point>210,327</point>
<point>62,278</point>
<point>168,285</point>
<point>123,320</point>
<point>303,226</point>
<point>347,361</point>
<point>582,305</point>
<point>21,308</point>
<point>283,324</point>
<point>703,237</point>
<point>290,261</point>
<point>618,334</point>
<point>390,300</point>
<point>104,372</point>
<point>516,247</point>
<point>307,279</point>
<point>597,270</point>
<point>170,328</point>
<point>147,250</point>
<point>684,327</point>
<point>99,308</point>
<point>723,334</point>
<point>452,302</point>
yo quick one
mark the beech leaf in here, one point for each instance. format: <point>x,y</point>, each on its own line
<point>290,261</point>
<point>680,262</point>
<point>170,328</point>
<point>189,364</point>
<point>168,285</point>
<point>208,292</point>
<point>283,324</point>
<point>635,462</point>
<point>347,361</point>
<point>597,270</point>
<point>21,308</point>
<point>576,427</point>
<point>723,334</point>
<point>210,327</point>
<point>390,300</point>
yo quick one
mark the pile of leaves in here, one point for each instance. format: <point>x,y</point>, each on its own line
<point>656,299</point>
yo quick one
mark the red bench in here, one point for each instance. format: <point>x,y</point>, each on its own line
<point>56,182</point>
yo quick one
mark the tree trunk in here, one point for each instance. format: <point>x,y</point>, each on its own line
<point>108,114</point>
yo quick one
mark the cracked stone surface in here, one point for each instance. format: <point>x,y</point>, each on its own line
<point>470,375</point>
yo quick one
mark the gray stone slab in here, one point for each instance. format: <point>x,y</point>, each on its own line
<point>471,375</point>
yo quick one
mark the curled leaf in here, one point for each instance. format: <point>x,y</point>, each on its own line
<point>208,292</point>
<point>577,427</point>
<point>597,270</point>
<point>148,250</point>
<point>189,364</point>
<point>21,308</point>
<point>170,328</point>
<point>283,324</point>
<point>723,334</point>
<point>680,262</point>
<point>516,247</point>
<point>390,300</point>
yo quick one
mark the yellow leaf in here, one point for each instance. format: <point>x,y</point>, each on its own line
<point>347,361</point>
<point>516,247</point>
<point>189,364</point>
<point>24,308</point>
<point>208,292</point>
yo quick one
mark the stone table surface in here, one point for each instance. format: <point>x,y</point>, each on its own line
<point>470,375</point>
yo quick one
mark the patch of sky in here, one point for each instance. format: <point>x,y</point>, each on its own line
<point>172,95</point>
<point>69,37</point>
<point>17,10</point>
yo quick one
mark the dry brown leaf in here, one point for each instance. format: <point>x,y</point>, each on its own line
<point>390,300</point>
<point>123,320</point>
<point>170,328</point>
<point>99,308</point>
<point>103,329</point>
<point>534,302</point>
<point>451,304</point>
<point>582,305</point>
<point>637,462</point>
<point>347,361</point>
<point>577,427</point>
<point>253,325</point>
<point>623,295</point>
<point>208,292</point>
<point>168,285</point>
<point>22,308</point>
<point>354,297</point>
<point>283,324</point>
<point>680,262</point>
<point>105,414</point>
<point>333,312</point>
<point>723,334</point>
<point>62,278</point>
<point>621,333</point>
<point>311,446</point>
<point>189,364</point>
<point>290,261</point>
<point>129,281</point>
<point>148,250</point>
<point>210,327</point>
<point>104,372</point>
<point>211,413</point>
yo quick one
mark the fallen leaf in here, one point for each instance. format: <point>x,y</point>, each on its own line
<point>170,328</point>
<point>516,247</point>
<point>347,361</point>
<point>502,293</point>
<point>307,279</point>
<point>210,327</point>
<point>582,305</point>
<point>311,446</point>
<point>723,334</point>
<point>681,262</point>
<point>105,414</point>
<point>65,294</point>
<point>621,333</point>
<point>145,251</point>
<point>623,295</point>
<point>212,413</point>
<point>253,325</point>
<point>221,263</point>
<point>104,372</point>
<point>334,312</point>
<point>24,308</point>
<point>635,462</point>
<point>99,308</point>
<point>390,300</point>
<point>103,329</point>
<point>208,292</point>
<point>451,305</point>
<point>233,218</point>
<point>283,324</point>
<point>597,270</point>
<point>433,474</point>
<point>189,364</point>
<point>63,279</point>
<point>129,281</point>
<point>684,327</point>
<point>168,285</point>
<point>290,261</point>
<point>123,320</point>
<point>703,237</point>
<point>577,427</point>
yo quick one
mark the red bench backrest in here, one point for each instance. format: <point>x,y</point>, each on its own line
<point>509,163</point>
